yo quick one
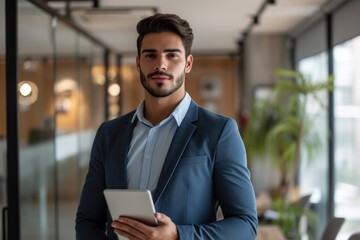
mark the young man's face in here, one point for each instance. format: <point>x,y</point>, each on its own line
<point>162,64</point>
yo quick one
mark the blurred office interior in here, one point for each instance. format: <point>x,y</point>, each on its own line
<point>67,66</point>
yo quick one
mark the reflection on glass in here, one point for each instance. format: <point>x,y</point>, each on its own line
<point>91,111</point>
<point>2,112</point>
<point>113,90</point>
<point>314,171</point>
<point>2,32</point>
<point>67,106</point>
<point>79,106</point>
<point>36,124</point>
<point>347,129</point>
<point>28,93</point>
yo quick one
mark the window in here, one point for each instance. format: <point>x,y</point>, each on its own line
<point>314,171</point>
<point>347,132</point>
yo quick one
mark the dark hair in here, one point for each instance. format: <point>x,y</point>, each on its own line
<point>165,23</point>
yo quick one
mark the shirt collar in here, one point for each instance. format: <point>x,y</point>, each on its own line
<point>178,113</point>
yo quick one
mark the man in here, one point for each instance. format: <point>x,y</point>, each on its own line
<point>191,160</point>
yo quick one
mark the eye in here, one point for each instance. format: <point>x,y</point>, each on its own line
<point>173,55</point>
<point>150,55</point>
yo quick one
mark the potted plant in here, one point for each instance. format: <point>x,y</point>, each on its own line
<point>278,126</point>
<point>295,221</point>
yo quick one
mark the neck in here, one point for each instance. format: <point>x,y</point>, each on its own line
<point>158,109</point>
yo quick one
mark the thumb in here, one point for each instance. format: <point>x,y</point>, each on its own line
<point>162,217</point>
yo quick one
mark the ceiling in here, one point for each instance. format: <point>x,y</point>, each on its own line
<point>218,25</point>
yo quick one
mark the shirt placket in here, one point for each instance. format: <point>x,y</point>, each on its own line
<point>146,163</point>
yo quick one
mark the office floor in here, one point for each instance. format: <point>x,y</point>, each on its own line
<point>2,204</point>
<point>35,228</point>
<point>44,227</point>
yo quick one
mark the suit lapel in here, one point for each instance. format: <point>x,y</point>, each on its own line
<point>177,147</point>
<point>120,154</point>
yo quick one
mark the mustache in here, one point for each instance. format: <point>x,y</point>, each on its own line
<point>159,73</point>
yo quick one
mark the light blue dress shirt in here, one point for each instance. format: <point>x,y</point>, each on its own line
<point>150,144</point>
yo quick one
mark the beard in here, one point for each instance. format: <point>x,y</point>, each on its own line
<point>159,91</point>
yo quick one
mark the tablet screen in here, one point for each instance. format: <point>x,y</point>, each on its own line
<point>136,204</point>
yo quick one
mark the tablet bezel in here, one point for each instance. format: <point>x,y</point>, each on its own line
<point>132,203</point>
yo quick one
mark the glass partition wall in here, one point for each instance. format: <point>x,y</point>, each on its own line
<point>79,107</point>
<point>2,111</point>
<point>36,126</point>
<point>113,90</point>
<point>60,106</point>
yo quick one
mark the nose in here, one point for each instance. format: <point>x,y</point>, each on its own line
<point>161,64</point>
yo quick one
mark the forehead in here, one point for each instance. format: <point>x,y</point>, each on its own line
<point>161,41</point>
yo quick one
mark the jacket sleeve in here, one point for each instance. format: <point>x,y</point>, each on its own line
<point>233,190</point>
<point>92,210</point>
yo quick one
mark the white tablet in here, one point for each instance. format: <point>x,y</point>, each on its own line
<point>136,204</point>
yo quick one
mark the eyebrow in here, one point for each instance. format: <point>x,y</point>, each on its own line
<point>166,50</point>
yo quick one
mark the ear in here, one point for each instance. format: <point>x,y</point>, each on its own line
<point>138,63</point>
<point>189,63</point>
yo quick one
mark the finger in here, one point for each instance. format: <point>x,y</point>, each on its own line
<point>127,231</point>
<point>133,227</point>
<point>120,227</point>
<point>126,235</point>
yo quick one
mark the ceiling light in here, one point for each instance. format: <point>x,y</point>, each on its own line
<point>28,93</point>
<point>114,89</point>
<point>25,89</point>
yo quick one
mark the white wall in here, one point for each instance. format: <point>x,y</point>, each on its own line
<point>263,54</point>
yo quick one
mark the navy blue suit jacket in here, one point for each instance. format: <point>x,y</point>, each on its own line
<point>205,167</point>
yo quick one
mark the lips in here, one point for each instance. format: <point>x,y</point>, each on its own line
<point>160,76</point>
